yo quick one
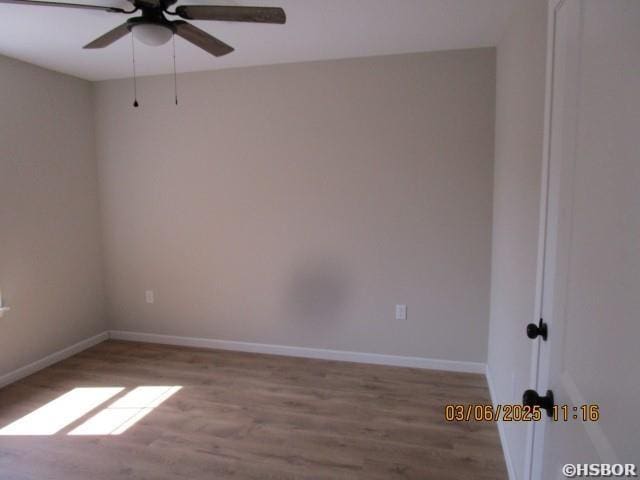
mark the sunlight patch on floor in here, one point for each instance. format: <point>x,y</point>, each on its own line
<point>57,414</point>
<point>126,411</point>
<point>115,419</point>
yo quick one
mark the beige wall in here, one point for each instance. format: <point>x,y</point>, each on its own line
<point>519,137</point>
<point>50,258</point>
<point>296,204</point>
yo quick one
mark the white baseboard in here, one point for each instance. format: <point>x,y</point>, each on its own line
<point>345,356</point>
<point>323,354</point>
<point>511,471</point>
<point>49,360</point>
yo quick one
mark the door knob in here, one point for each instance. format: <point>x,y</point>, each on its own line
<point>533,330</point>
<point>531,398</point>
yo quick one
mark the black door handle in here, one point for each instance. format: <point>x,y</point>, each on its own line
<point>534,330</point>
<point>531,398</point>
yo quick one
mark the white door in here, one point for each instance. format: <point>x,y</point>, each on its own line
<point>590,292</point>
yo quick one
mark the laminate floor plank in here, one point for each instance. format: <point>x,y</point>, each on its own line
<point>246,416</point>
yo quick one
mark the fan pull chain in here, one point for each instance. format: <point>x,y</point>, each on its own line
<point>135,83</point>
<point>175,75</point>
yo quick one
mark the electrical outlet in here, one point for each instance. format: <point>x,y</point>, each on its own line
<point>149,296</point>
<point>401,312</point>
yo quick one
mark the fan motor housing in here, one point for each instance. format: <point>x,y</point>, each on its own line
<point>156,18</point>
<point>152,4</point>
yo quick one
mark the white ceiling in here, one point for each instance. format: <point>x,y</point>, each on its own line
<point>316,30</point>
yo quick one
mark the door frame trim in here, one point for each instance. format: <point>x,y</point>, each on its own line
<point>534,457</point>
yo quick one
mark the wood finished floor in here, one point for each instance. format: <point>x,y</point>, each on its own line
<point>248,416</point>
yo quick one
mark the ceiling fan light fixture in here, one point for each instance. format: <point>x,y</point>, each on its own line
<point>152,34</point>
<point>154,29</point>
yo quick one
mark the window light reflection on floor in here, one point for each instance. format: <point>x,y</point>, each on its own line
<point>57,414</point>
<point>126,411</point>
<point>115,419</point>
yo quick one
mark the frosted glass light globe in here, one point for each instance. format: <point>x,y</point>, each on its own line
<point>151,34</point>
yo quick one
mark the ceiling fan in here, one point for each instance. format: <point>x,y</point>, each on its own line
<point>153,28</point>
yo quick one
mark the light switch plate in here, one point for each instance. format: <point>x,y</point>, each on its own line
<point>149,296</point>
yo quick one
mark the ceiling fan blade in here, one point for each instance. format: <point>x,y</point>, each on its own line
<point>201,39</point>
<point>232,13</point>
<point>68,5</point>
<point>109,37</point>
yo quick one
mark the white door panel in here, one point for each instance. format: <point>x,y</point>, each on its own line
<point>591,280</point>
